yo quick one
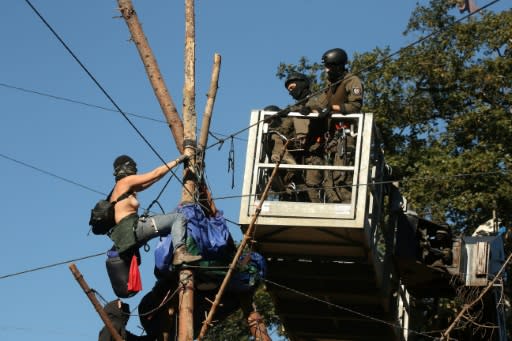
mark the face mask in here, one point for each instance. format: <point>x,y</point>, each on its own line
<point>300,91</point>
<point>128,168</point>
<point>334,75</point>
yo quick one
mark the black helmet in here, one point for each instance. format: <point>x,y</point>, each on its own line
<point>124,166</point>
<point>272,108</point>
<point>296,76</point>
<point>335,56</point>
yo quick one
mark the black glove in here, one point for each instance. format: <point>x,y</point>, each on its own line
<point>283,113</point>
<point>305,110</point>
<point>272,120</point>
<point>324,112</point>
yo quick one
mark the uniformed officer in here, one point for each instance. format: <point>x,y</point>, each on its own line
<point>344,95</point>
<point>307,130</point>
<point>345,91</point>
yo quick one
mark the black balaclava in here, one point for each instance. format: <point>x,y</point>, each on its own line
<point>124,166</point>
<point>300,91</point>
<point>336,72</point>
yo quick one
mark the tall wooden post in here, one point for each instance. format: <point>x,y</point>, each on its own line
<point>153,72</point>
<point>90,294</point>
<point>186,308</point>
<point>212,94</point>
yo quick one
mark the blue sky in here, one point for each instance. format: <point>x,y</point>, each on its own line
<point>56,155</point>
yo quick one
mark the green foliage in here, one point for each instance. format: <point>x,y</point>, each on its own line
<point>235,327</point>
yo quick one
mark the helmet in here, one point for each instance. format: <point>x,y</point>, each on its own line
<point>124,166</point>
<point>335,56</point>
<point>272,108</point>
<point>296,76</point>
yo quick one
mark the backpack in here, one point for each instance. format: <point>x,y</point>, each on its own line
<point>210,234</point>
<point>207,236</point>
<point>121,272</point>
<point>103,216</point>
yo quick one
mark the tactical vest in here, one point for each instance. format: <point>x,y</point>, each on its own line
<point>338,97</point>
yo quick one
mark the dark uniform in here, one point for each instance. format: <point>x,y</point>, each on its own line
<point>310,132</point>
<point>280,129</point>
<point>344,95</point>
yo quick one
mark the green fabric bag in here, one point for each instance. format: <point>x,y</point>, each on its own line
<point>123,234</point>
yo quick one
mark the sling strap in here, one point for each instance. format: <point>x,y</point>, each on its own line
<point>122,197</point>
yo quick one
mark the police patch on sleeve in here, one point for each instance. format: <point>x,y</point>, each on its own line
<point>356,91</point>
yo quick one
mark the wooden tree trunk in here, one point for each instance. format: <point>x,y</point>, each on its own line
<point>153,72</point>
<point>186,308</point>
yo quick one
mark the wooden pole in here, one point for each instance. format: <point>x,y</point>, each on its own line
<point>153,72</point>
<point>241,247</point>
<point>212,94</point>
<point>186,296</point>
<point>206,198</point>
<point>81,281</point>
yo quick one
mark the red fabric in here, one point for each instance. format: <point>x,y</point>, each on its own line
<point>134,281</point>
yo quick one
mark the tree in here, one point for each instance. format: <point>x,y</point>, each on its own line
<point>444,106</point>
<point>235,326</point>
<point>445,111</point>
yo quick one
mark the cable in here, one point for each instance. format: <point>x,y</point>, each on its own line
<point>52,174</point>
<point>346,309</point>
<point>51,265</point>
<point>145,117</point>
<point>104,91</point>
<point>383,182</point>
<point>76,102</point>
<point>405,180</point>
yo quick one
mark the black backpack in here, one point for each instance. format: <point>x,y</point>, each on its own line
<point>103,216</point>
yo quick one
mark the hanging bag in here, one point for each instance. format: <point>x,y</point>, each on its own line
<point>123,273</point>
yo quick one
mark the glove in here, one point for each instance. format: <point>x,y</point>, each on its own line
<point>182,158</point>
<point>305,110</point>
<point>283,113</point>
<point>324,112</point>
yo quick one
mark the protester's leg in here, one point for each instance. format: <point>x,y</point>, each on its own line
<point>163,224</point>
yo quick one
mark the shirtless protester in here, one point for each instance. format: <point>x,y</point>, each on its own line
<point>132,231</point>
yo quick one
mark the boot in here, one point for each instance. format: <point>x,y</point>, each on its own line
<point>181,255</point>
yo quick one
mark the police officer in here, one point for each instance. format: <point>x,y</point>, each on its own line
<point>308,131</point>
<point>344,95</point>
<point>345,91</point>
<point>281,128</point>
